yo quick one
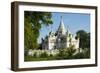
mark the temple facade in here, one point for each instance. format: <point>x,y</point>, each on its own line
<point>62,38</point>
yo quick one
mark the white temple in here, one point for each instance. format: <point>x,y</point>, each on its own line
<point>61,39</point>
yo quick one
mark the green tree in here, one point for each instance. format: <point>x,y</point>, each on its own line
<point>33,21</point>
<point>84,39</point>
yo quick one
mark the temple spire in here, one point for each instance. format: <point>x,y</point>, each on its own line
<point>62,27</point>
<point>61,22</point>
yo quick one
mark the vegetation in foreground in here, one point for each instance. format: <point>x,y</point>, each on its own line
<point>68,53</point>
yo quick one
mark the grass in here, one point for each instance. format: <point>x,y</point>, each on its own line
<point>31,58</point>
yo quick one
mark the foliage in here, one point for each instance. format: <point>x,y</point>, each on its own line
<point>35,55</point>
<point>44,54</point>
<point>67,53</point>
<point>84,39</point>
<point>33,21</point>
<point>82,55</point>
<point>71,50</point>
<point>62,54</point>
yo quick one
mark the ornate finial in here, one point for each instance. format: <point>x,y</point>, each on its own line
<point>61,18</point>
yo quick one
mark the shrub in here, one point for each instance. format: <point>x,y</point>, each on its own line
<point>44,54</point>
<point>51,55</point>
<point>71,50</point>
<point>35,54</point>
<point>79,56</point>
<point>84,54</point>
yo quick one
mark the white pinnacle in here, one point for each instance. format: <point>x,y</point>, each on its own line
<point>62,27</point>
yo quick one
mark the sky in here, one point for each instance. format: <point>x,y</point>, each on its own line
<point>74,22</point>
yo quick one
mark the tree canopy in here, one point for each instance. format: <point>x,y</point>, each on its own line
<point>33,22</point>
<point>84,39</point>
